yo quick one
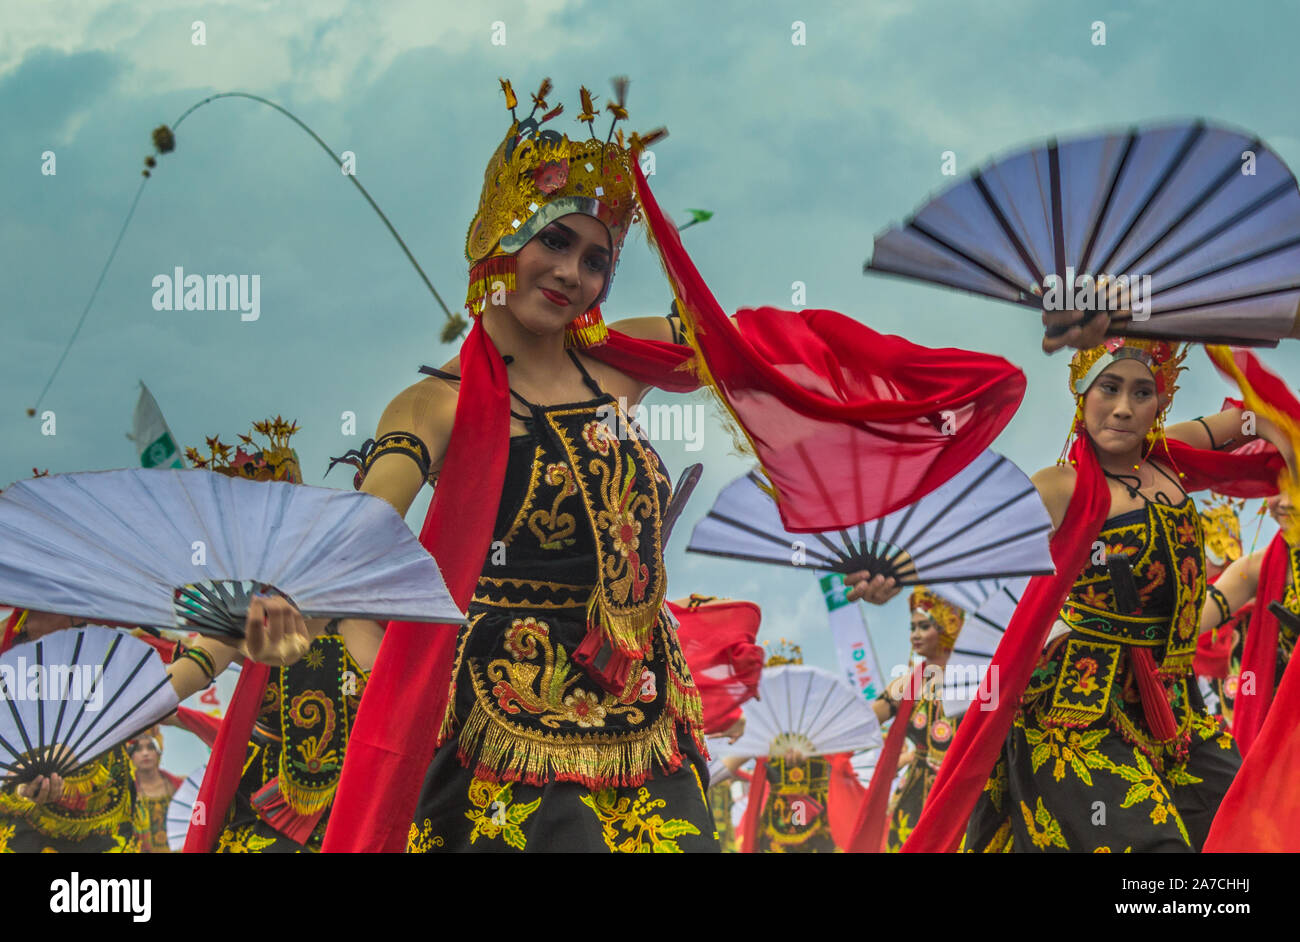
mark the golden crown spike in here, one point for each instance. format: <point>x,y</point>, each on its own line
<point>274,461</point>
<point>784,652</point>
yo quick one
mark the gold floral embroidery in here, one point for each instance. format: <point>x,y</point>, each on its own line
<point>549,690</point>
<point>1145,785</point>
<point>494,815</point>
<point>1070,748</point>
<point>242,841</point>
<point>626,829</point>
<point>903,830</point>
<point>598,437</point>
<point>616,481</point>
<point>1044,830</point>
<point>421,840</point>
<point>996,786</point>
<point>555,530</point>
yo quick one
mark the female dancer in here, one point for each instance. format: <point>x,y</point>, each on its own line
<point>154,788</point>
<point>291,762</point>
<point>935,625</point>
<point>1271,578</point>
<point>1111,748</point>
<point>570,720</point>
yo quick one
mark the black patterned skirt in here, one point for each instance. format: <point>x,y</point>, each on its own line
<point>459,811</point>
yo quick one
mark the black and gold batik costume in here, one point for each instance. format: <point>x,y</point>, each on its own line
<point>534,753</point>
<point>929,733</point>
<point>1081,770</point>
<point>96,814</point>
<point>297,749</point>
<point>795,818</point>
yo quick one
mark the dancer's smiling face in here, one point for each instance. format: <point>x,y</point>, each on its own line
<point>1120,407</point>
<point>560,273</point>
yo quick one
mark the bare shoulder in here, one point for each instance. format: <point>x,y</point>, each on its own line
<point>1055,485</point>
<point>426,408</point>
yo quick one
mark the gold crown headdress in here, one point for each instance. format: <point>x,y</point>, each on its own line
<point>1162,358</point>
<point>785,652</point>
<point>1219,517</point>
<point>275,461</point>
<point>537,176</point>
<point>943,613</point>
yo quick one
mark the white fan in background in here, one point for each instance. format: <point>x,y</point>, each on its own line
<point>182,807</point>
<point>806,709</point>
<point>989,605</point>
<point>186,548</point>
<point>864,764</point>
<point>986,522</point>
<point>72,696</point>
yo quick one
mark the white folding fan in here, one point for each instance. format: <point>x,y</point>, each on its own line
<point>806,709</point>
<point>181,809</point>
<point>187,549</point>
<point>73,695</point>
<point>986,522</point>
<point>989,605</point>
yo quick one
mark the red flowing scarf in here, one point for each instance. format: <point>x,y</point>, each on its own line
<point>753,816</point>
<point>1214,647</point>
<point>808,388</point>
<point>844,800</point>
<point>226,764</point>
<point>717,641</point>
<point>1259,652</point>
<point>984,728</point>
<point>200,724</point>
<point>1261,811</point>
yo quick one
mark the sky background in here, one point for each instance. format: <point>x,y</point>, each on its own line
<point>802,152</point>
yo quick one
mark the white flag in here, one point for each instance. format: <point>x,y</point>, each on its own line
<point>853,646</point>
<point>153,439</point>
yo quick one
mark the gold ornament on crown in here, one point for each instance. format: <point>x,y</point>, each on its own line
<point>785,652</point>
<point>275,461</point>
<point>943,613</point>
<point>1222,526</point>
<point>535,177</point>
